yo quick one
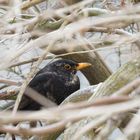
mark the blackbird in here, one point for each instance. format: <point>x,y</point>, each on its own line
<point>56,81</point>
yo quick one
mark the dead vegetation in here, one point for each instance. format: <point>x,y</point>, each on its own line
<point>104,33</point>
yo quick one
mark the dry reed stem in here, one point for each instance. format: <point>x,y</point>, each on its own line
<point>27,4</point>
<point>8,94</point>
<point>43,40</point>
<point>33,71</point>
<point>89,112</point>
<point>10,82</point>
<point>74,23</point>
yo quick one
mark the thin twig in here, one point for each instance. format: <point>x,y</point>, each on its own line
<point>28,4</point>
<point>10,82</point>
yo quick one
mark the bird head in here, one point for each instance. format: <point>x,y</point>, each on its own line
<point>68,66</point>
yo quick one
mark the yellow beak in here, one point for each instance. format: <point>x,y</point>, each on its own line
<point>82,66</point>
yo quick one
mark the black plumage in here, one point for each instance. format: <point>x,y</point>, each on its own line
<point>56,81</point>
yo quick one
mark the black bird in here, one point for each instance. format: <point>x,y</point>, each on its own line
<point>55,81</point>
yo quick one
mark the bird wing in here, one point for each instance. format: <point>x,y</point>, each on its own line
<point>42,83</point>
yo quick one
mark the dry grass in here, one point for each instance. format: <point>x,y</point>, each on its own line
<point>31,33</point>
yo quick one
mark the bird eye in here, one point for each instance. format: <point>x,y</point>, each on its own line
<point>67,67</point>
